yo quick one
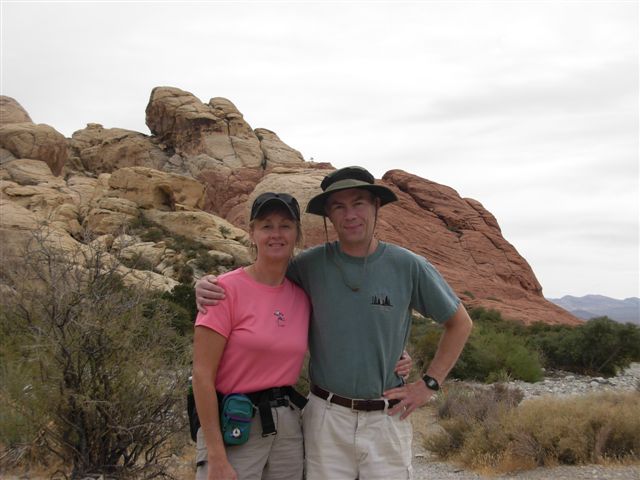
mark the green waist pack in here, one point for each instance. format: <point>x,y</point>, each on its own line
<point>235,418</point>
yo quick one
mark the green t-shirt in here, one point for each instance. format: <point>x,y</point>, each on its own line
<point>356,337</point>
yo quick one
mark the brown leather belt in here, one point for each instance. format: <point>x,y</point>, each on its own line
<point>360,405</point>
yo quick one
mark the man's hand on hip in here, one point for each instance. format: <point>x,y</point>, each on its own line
<point>412,395</point>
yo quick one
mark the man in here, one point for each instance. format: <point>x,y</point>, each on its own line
<point>362,292</point>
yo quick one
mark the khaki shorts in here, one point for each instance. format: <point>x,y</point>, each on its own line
<point>342,444</point>
<point>276,457</point>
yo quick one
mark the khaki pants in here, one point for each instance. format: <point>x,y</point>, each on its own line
<point>276,457</point>
<point>341,444</point>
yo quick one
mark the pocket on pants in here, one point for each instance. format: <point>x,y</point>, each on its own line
<point>400,437</point>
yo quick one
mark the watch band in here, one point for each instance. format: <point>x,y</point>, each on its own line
<point>431,383</point>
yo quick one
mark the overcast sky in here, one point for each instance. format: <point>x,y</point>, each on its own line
<point>530,108</point>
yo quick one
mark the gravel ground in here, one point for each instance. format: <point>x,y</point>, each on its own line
<point>423,469</point>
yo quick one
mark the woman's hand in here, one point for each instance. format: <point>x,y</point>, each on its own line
<point>404,365</point>
<point>219,468</point>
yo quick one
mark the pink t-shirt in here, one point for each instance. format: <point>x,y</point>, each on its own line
<point>266,330</point>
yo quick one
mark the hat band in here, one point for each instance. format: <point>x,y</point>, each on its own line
<point>347,183</point>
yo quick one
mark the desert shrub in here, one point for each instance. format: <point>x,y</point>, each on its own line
<point>574,431</point>
<point>496,350</point>
<point>493,355</point>
<point>488,357</point>
<point>461,409</point>
<point>425,336</point>
<point>500,350</point>
<point>138,262</point>
<point>205,262</point>
<point>481,431</point>
<point>183,295</point>
<point>178,317</point>
<point>90,377</point>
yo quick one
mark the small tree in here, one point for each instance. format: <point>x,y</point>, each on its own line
<point>85,368</point>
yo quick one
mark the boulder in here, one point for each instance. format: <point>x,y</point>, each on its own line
<point>275,151</point>
<point>191,127</point>
<point>6,156</point>
<point>12,112</point>
<point>103,150</point>
<point>211,232</point>
<point>30,184</point>
<point>110,215</point>
<point>38,142</point>
<point>149,188</point>
<point>31,172</point>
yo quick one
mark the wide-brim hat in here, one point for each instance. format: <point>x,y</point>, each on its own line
<point>343,179</point>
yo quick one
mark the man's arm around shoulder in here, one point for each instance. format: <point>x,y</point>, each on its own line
<point>208,292</point>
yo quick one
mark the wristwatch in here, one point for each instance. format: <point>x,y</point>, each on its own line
<point>431,383</point>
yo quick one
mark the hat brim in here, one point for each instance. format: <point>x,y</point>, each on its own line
<point>317,203</point>
<point>276,201</point>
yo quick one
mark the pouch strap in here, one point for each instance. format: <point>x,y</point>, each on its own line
<point>266,417</point>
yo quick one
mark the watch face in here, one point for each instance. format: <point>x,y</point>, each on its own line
<point>431,383</point>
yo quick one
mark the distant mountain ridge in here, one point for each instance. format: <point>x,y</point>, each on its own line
<point>590,306</point>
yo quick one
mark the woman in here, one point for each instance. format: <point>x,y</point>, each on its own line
<point>254,342</point>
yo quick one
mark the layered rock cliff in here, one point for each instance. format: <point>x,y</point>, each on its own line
<point>173,205</point>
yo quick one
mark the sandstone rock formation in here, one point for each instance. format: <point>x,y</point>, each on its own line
<point>465,243</point>
<point>12,112</point>
<point>177,201</point>
<point>216,129</point>
<point>38,142</point>
<point>103,150</point>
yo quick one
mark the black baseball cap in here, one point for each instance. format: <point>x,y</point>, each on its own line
<point>268,198</point>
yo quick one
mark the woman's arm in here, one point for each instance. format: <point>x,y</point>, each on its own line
<point>208,346</point>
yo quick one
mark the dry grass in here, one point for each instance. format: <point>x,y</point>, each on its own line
<point>503,437</point>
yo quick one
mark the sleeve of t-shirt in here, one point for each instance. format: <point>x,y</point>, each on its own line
<point>219,317</point>
<point>432,295</point>
<point>293,271</point>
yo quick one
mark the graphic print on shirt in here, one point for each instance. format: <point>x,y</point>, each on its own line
<point>280,317</point>
<point>381,299</point>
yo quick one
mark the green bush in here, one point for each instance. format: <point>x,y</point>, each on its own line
<point>500,350</point>
<point>183,295</point>
<point>205,262</point>
<point>182,306</point>
<point>600,346</point>
<point>494,355</point>
<point>496,350</point>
